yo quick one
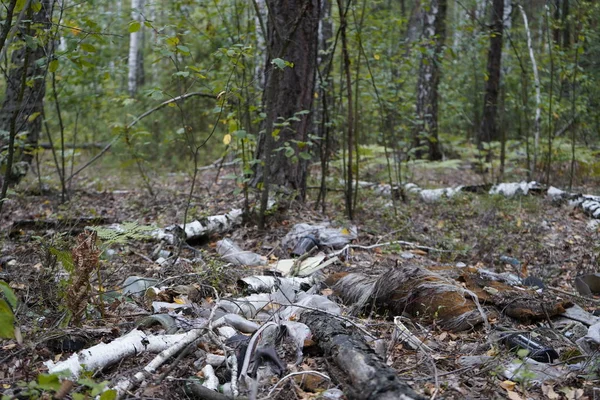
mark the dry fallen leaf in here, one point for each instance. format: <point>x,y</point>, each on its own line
<point>572,394</point>
<point>514,395</point>
<point>508,385</point>
<point>549,392</point>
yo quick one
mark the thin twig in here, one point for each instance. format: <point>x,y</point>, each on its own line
<point>401,242</point>
<point>591,300</point>
<point>295,374</point>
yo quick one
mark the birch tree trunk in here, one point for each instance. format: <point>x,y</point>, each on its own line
<point>434,35</point>
<point>135,48</point>
<point>536,83</point>
<point>489,128</point>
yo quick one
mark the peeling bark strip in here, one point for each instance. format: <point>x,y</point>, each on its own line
<point>363,374</point>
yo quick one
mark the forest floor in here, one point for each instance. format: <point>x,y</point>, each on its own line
<point>556,242</point>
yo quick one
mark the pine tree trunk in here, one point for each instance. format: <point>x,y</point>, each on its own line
<point>489,129</point>
<point>292,36</point>
<point>24,96</point>
<point>434,35</point>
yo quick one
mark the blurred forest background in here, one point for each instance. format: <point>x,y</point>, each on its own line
<point>356,89</point>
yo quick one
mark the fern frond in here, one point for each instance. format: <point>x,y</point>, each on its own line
<point>121,234</point>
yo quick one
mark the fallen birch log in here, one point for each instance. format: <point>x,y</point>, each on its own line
<point>362,374</point>
<point>204,227</point>
<point>590,204</point>
<point>186,339</point>
<point>105,354</point>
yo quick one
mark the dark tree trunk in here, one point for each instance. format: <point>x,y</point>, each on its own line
<point>24,95</point>
<point>566,24</point>
<point>434,35</point>
<point>292,36</point>
<point>489,129</point>
<point>556,28</point>
<point>7,23</point>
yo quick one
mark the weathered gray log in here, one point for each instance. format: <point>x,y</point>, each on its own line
<point>364,376</point>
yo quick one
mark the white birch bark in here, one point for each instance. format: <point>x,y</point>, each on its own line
<point>151,11</point>
<point>536,83</point>
<point>102,355</point>
<point>135,41</point>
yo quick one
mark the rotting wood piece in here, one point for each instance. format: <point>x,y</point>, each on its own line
<point>522,304</point>
<point>368,377</point>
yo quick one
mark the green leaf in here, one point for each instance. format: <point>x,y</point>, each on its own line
<point>240,134</point>
<point>33,116</point>
<point>36,6</point>
<point>183,49</point>
<point>172,41</point>
<point>108,395</point>
<point>289,152</point>
<point>20,4</point>
<point>134,26</point>
<point>7,321</point>
<point>522,353</point>
<point>304,155</point>
<point>8,294</point>
<point>53,66</point>
<point>88,47</point>
<point>64,257</point>
<point>280,63</point>
<point>48,382</point>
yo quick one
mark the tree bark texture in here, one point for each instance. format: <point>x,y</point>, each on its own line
<point>135,63</point>
<point>434,35</point>
<point>20,115</point>
<point>489,128</point>
<point>362,374</point>
<point>7,23</point>
<point>292,31</point>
